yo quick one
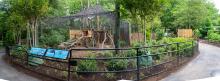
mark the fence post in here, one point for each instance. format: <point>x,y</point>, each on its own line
<point>7,50</point>
<point>197,46</point>
<point>138,64</point>
<point>69,66</point>
<point>178,54</point>
<point>27,58</point>
<point>193,48</point>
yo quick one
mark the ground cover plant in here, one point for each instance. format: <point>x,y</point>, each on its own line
<point>128,64</point>
<point>213,37</point>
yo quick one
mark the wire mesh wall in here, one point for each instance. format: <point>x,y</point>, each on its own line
<point>91,27</point>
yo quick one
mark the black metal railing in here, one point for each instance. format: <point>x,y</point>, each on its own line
<point>114,64</point>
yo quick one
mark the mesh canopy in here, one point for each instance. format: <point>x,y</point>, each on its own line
<point>90,27</point>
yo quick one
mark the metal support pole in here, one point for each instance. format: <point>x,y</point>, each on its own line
<point>178,54</point>
<point>69,66</point>
<point>7,50</point>
<point>117,26</point>
<point>193,48</point>
<point>197,46</point>
<point>27,58</point>
<point>138,65</point>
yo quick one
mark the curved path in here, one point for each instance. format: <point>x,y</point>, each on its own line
<point>205,65</point>
<point>8,73</point>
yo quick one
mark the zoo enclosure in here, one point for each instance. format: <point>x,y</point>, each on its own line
<point>142,63</point>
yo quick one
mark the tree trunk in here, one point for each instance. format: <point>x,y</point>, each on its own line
<point>29,34</point>
<point>33,32</point>
<point>105,38</point>
<point>144,26</point>
<point>36,33</point>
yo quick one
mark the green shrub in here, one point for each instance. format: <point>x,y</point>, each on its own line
<point>52,39</point>
<point>137,44</point>
<point>87,65</point>
<point>213,37</point>
<point>106,54</point>
<point>19,51</point>
<point>117,65</point>
<point>130,53</point>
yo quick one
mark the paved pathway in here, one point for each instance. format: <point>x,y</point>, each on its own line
<point>205,65</point>
<point>8,73</point>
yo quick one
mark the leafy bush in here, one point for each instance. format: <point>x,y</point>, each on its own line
<point>137,44</point>
<point>19,51</point>
<point>87,65</point>
<point>117,65</point>
<point>130,53</point>
<point>52,39</point>
<point>213,37</point>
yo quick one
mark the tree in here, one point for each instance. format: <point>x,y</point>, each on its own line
<point>167,17</point>
<point>32,11</point>
<point>194,14</point>
<point>15,27</point>
<point>143,10</point>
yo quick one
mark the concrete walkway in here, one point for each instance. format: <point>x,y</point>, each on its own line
<point>205,65</point>
<point>8,73</point>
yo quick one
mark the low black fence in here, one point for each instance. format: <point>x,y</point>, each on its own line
<point>109,64</point>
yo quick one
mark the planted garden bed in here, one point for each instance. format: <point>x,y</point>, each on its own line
<point>107,65</point>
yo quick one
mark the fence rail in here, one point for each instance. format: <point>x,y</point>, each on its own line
<point>114,64</point>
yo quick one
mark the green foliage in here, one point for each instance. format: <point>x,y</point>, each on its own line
<point>142,8</point>
<point>14,29</point>
<point>19,51</point>
<point>117,65</point>
<point>87,65</point>
<point>197,33</point>
<point>184,14</point>
<point>131,53</point>
<point>30,8</point>
<point>53,38</point>
<point>123,43</point>
<point>213,37</point>
<point>137,44</point>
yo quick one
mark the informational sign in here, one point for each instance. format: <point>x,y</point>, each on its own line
<point>51,53</point>
<point>58,54</point>
<point>187,33</point>
<point>37,51</point>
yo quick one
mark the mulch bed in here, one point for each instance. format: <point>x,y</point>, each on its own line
<point>170,68</point>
